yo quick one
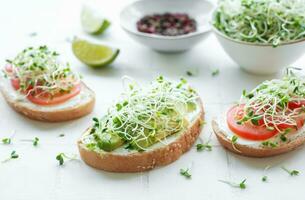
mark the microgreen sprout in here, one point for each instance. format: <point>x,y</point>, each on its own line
<point>189,73</point>
<point>34,141</point>
<point>215,72</point>
<point>241,185</point>
<point>61,135</point>
<point>204,146</point>
<point>185,173</point>
<point>265,177</point>
<point>269,144</point>
<point>269,104</point>
<point>291,172</point>
<point>62,157</point>
<point>39,69</point>
<point>266,22</point>
<point>233,142</point>
<point>144,116</point>
<point>13,155</point>
<point>6,140</point>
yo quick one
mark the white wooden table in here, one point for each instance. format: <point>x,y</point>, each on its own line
<point>36,174</point>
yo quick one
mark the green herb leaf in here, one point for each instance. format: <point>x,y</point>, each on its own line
<point>62,156</point>
<point>189,73</point>
<point>291,172</point>
<point>241,185</point>
<point>206,146</point>
<point>185,173</point>
<point>35,141</point>
<point>13,155</point>
<point>215,72</point>
<point>6,141</point>
<point>269,144</point>
<point>234,139</point>
<point>264,178</point>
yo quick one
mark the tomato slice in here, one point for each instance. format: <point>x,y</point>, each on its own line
<point>300,124</point>
<point>294,104</point>
<point>247,130</point>
<point>47,99</point>
<point>15,83</point>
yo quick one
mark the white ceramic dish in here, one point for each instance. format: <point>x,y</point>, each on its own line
<point>200,10</point>
<point>262,59</point>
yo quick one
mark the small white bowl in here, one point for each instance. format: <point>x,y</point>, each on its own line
<point>200,10</point>
<point>261,59</point>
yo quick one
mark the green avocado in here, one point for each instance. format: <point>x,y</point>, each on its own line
<point>110,141</point>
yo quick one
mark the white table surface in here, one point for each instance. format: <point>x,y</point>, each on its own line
<point>36,174</point>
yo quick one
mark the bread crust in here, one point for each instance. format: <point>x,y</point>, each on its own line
<point>147,160</point>
<point>251,151</point>
<point>57,115</point>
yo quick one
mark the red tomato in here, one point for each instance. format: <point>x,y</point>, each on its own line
<point>294,104</point>
<point>247,130</point>
<point>47,99</point>
<point>300,124</point>
<point>15,83</point>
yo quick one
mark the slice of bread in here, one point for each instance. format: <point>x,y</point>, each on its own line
<point>256,149</point>
<point>76,107</point>
<point>159,154</point>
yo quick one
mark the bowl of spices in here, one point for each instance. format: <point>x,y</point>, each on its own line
<point>167,25</point>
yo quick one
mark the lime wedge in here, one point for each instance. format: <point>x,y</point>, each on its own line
<point>92,22</point>
<point>94,55</point>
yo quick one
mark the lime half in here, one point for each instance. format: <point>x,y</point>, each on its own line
<point>94,55</point>
<point>92,22</point>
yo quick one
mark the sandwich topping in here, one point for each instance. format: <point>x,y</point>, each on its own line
<point>144,116</point>
<point>41,77</point>
<point>275,107</point>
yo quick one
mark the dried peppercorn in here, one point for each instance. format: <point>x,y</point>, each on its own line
<point>168,24</point>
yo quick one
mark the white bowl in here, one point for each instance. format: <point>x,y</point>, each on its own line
<point>262,59</point>
<point>200,10</point>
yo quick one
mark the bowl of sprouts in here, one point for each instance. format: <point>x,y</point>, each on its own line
<point>261,36</point>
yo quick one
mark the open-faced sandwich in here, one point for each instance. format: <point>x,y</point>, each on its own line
<point>145,128</point>
<point>36,84</point>
<point>267,121</point>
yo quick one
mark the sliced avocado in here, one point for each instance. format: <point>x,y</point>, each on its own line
<point>110,141</point>
<point>154,138</point>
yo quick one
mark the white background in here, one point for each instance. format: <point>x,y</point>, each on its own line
<point>36,174</point>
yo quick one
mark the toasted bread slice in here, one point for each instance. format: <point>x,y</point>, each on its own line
<point>256,148</point>
<point>76,107</point>
<point>159,154</point>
